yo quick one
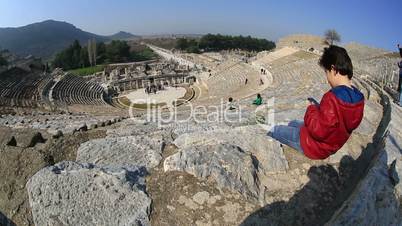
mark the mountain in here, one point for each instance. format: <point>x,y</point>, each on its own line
<point>122,35</point>
<point>43,39</point>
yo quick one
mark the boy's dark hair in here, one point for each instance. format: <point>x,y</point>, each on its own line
<point>339,58</point>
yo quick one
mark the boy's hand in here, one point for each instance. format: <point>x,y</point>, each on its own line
<point>312,101</point>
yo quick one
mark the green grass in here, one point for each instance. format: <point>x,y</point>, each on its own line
<point>87,70</point>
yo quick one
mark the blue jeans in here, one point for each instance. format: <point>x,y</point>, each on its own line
<point>288,135</point>
<point>400,98</point>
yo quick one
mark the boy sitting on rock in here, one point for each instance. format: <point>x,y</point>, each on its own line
<point>327,125</point>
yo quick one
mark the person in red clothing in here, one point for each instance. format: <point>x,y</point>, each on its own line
<point>327,125</point>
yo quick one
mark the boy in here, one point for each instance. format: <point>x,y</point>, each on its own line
<point>327,125</point>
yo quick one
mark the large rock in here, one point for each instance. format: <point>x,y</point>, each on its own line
<point>373,202</point>
<point>75,194</point>
<point>394,138</point>
<point>396,176</point>
<point>17,165</point>
<point>122,151</point>
<point>228,165</point>
<point>372,116</point>
<point>372,111</point>
<point>366,127</point>
<point>192,127</point>
<point>28,138</point>
<point>353,148</point>
<point>251,139</point>
<point>65,123</point>
<point>132,128</point>
<point>6,136</point>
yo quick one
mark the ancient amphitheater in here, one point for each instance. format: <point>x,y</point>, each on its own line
<point>74,153</point>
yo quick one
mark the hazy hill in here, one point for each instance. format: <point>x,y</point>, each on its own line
<point>122,35</point>
<point>46,38</point>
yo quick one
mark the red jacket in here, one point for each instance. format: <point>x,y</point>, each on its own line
<point>328,126</point>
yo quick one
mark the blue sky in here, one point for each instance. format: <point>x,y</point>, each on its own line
<point>372,22</point>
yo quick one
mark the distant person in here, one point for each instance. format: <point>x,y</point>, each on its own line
<point>231,104</point>
<point>261,82</point>
<point>262,71</point>
<point>327,125</point>
<point>400,50</point>
<point>245,82</point>
<point>258,100</point>
<point>400,78</point>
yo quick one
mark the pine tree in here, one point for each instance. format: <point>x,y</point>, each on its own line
<point>90,52</point>
<point>94,51</point>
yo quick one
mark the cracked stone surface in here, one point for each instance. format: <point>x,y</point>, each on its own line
<point>70,193</point>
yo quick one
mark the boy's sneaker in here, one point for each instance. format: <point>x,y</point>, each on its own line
<point>269,133</point>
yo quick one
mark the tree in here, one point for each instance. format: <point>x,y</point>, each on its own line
<point>332,36</point>
<point>75,56</point>
<point>90,57</point>
<point>84,58</point>
<point>100,52</point>
<point>182,44</point>
<point>118,51</point>
<point>190,46</point>
<point>193,49</point>
<point>69,58</point>
<point>219,42</point>
<point>92,52</point>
